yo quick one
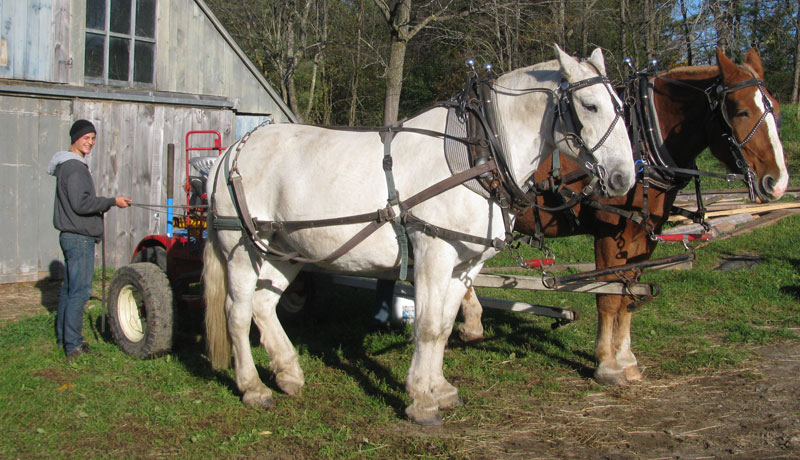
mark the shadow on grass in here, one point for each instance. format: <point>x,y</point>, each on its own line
<point>335,331</point>
<point>535,337</point>
<point>792,290</point>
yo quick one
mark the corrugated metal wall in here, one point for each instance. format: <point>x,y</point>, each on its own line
<point>129,159</point>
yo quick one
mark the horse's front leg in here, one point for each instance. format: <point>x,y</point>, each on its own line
<point>609,371</point>
<point>641,250</point>
<point>283,356</point>
<point>471,309</point>
<point>242,279</point>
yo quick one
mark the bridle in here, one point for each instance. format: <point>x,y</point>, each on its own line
<point>716,95</point>
<point>566,104</point>
<point>736,147</point>
<point>566,120</point>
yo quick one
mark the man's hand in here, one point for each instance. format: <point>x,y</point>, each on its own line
<point>122,201</point>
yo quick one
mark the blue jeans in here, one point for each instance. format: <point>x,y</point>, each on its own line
<point>75,290</point>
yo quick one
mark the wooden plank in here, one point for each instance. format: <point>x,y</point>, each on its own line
<point>407,291</point>
<point>753,209</point>
<point>60,41</point>
<point>764,221</point>
<point>53,132</point>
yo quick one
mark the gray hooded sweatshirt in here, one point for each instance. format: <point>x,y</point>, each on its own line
<point>77,208</point>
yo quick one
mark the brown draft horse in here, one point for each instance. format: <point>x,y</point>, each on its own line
<point>696,107</point>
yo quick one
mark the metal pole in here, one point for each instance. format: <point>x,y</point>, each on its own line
<point>103,282</point>
<point>170,185</point>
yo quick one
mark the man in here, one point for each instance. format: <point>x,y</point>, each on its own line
<point>78,214</point>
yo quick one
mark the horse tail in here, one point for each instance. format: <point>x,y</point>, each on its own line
<point>215,286</point>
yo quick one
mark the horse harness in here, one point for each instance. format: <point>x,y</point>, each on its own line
<point>490,166</point>
<point>655,163</point>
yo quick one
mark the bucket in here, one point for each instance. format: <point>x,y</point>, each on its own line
<point>403,310</point>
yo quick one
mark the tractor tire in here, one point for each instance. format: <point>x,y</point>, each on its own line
<point>141,310</point>
<point>153,254</point>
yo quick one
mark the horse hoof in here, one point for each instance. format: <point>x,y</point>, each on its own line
<point>617,379</point>
<point>450,402</point>
<point>467,336</point>
<point>424,417</point>
<point>633,374</point>
<point>289,385</point>
<point>257,400</point>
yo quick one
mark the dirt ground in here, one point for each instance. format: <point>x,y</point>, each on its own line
<point>748,413</point>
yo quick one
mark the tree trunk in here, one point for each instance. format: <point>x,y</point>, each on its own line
<point>623,27</point>
<point>399,22</point>
<point>796,81</point>
<point>351,115</point>
<point>394,80</point>
<point>687,39</point>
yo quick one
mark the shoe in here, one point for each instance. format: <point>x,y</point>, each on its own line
<point>81,350</point>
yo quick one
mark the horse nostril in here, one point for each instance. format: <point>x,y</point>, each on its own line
<point>617,181</point>
<point>768,184</point>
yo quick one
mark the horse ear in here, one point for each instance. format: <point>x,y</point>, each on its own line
<point>598,60</point>
<point>754,61</point>
<point>569,65</point>
<point>727,68</point>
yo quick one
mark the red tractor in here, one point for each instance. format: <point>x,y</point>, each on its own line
<point>165,269</point>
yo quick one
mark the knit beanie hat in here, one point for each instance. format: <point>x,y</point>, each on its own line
<point>79,129</point>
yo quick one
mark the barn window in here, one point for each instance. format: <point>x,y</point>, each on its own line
<point>120,42</point>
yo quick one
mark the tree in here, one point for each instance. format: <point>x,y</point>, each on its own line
<point>403,26</point>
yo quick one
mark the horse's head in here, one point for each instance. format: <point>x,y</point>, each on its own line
<point>749,142</point>
<point>590,126</point>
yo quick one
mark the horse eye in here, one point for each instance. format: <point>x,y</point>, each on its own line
<point>742,113</point>
<point>590,107</point>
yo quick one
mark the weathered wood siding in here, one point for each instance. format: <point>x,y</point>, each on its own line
<point>43,41</point>
<point>128,159</point>
<point>195,55</point>
<point>34,40</point>
<point>32,130</point>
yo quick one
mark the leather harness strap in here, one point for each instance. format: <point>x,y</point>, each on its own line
<point>376,219</point>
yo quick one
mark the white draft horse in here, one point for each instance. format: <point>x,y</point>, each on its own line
<point>300,172</point>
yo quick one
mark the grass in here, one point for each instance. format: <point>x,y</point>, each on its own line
<point>111,405</point>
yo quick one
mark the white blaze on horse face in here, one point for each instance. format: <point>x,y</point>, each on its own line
<point>782,181</point>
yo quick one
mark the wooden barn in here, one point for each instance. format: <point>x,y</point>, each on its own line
<point>145,72</point>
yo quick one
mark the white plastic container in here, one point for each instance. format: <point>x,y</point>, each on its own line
<point>403,309</point>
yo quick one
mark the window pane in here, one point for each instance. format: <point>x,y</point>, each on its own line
<point>93,63</point>
<point>146,18</point>
<point>96,14</point>
<point>121,16</point>
<point>143,59</point>
<point>118,58</point>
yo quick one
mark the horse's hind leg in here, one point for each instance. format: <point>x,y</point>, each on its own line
<point>472,328</point>
<point>437,299</point>
<point>283,357</point>
<point>242,278</point>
